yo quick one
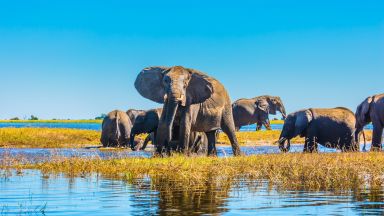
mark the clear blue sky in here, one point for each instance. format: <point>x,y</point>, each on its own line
<point>77,59</point>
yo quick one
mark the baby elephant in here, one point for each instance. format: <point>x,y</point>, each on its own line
<point>116,128</point>
<point>332,128</point>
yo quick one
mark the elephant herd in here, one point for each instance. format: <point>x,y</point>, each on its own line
<point>196,106</point>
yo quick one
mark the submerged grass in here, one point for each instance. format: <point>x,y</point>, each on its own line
<point>298,171</point>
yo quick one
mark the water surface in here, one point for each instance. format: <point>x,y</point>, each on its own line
<point>34,193</point>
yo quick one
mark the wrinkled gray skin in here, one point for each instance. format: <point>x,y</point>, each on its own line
<point>148,121</point>
<point>133,113</point>
<point>145,122</point>
<point>256,110</point>
<point>116,128</point>
<point>371,110</point>
<point>332,128</point>
<point>202,101</point>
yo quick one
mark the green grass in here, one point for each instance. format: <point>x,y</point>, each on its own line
<point>50,121</point>
<point>297,171</point>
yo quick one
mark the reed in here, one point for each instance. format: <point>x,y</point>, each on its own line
<point>298,171</point>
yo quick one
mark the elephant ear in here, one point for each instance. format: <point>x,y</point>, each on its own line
<point>262,104</point>
<point>199,88</point>
<point>149,83</point>
<point>364,109</point>
<point>303,118</point>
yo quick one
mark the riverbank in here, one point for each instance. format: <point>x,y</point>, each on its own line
<point>297,171</point>
<point>83,121</point>
<point>51,121</point>
<point>75,138</point>
<point>47,138</point>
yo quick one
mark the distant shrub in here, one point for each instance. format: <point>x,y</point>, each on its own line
<point>33,118</point>
<point>14,118</point>
<point>101,117</point>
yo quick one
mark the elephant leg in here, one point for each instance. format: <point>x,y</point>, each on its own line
<point>228,128</point>
<point>185,131</point>
<point>258,126</point>
<point>310,144</point>
<point>267,124</point>
<point>146,141</point>
<point>211,135</point>
<point>376,137</point>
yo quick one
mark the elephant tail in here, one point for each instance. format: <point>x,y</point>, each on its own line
<point>118,133</point>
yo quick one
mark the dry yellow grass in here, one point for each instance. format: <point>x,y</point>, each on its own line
<point>325,171</point>
<point>75,138</point>
<point>51,121</point>
<point>47,138</point>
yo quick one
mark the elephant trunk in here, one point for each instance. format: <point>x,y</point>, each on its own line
<point>359,129</point>
<point>170,118</point>
<point>282,111</point>
<point>164,130</point>
<point>282,142</point>
<point>365,142</point>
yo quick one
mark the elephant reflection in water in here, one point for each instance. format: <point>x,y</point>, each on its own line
<point>209,199</point>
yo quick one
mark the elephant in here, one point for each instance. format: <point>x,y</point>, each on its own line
<point>202,101</point>
<point>116,128</point>
<point>256,110</point>
<point>145,122</point>
<point>371,110</point>
<point>133,113</point>
<point>148,121</point>
<point>330,127</point>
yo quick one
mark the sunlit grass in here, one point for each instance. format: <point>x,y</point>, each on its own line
<point>83,121</point>
<point>75,138</point>
<point>277,121</point>
<point>47,137</point>
<point>323,171</point>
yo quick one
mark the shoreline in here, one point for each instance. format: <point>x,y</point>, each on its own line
<point>79,138</point>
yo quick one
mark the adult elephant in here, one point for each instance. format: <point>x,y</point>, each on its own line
<point>116,128</point>
<point>371,110</point>
<point>256,110</point>
<point>202,101</point>
<point>333,128</point>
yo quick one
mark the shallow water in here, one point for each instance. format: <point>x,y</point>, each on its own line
<point>97,126</point>
<point>34,193</point>
<point>45,154</point>
<point>83,126</point>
